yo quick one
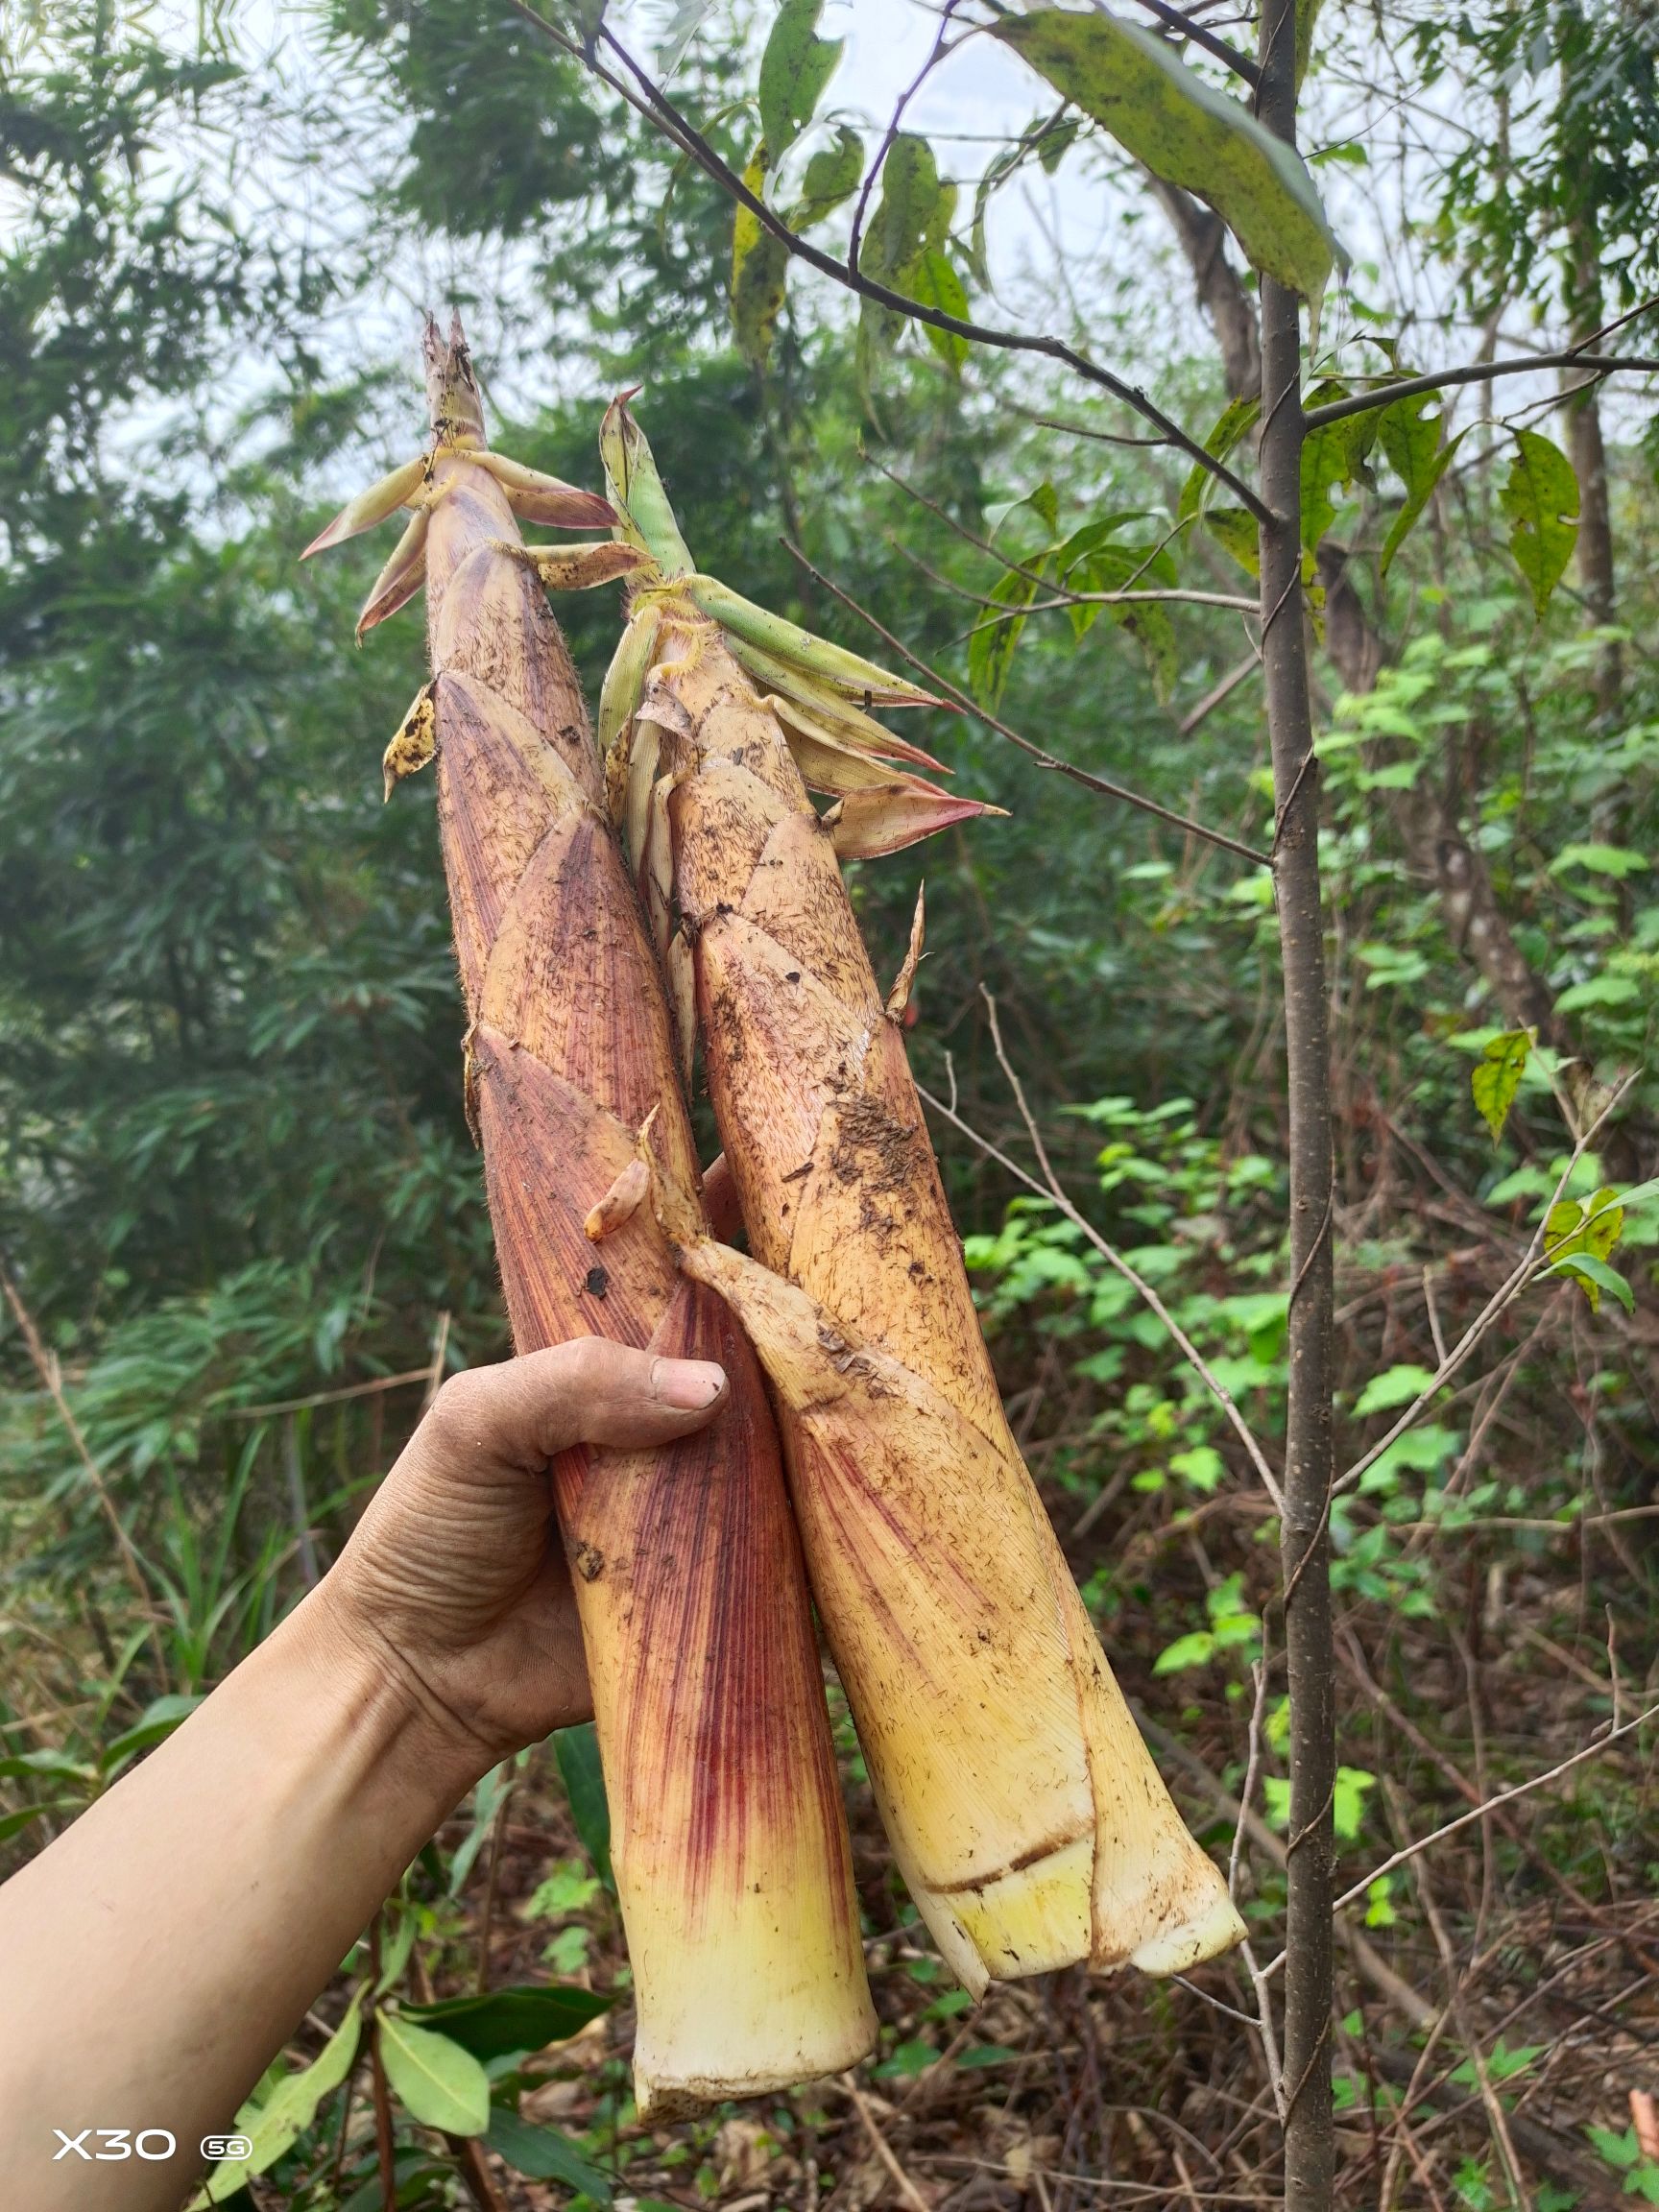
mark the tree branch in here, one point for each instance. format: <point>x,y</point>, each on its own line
<point>656,106</point>
<point>1477,372</point>
<point>1211,40</point>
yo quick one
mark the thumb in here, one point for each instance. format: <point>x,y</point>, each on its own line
<point>527,1410</point>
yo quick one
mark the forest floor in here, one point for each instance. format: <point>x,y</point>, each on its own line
<point>1491,2034</point>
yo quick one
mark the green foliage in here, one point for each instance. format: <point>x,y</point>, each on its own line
<point>1540,496</point>
<point>440,2083</point>
<point>795,66</point>
<point>1496,1077</point>
<point>277,2121</point>
<point>1170,118</point>
<point>1411,434</point>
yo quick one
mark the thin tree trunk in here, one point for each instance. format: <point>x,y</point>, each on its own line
<point>1309,2146</point>
<point>1427,819</point>
<point>1589,457</point>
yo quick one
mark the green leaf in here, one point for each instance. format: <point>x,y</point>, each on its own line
<point>795,67</point>
<point>1332,454</point>
<point>913,213</point>
<point>1409,433</point>
<point>13,1823</point>
<point>156,1722</point>
<point>1234,529</point>
<point>1236,418</point>
<point>522,2019</point>
<point>1617,860</point>
<point>1348,1802</point>
<point>487,1802</point>
<point>1496,1077</point>
<point>577,1751</point>
<point>682,28</point>
<point>441,2084</point>
<point>1621,2151</point>
<point>933,283</point>
<point>1540,496</point>
<point>995,633</point>
<point>1594,1276</point>
<point>1170,119</point>
<point>542,2156</point>
<point>288,2111</point>
<point>1599,990</point>
<point>832,177</point>
<point>1194,1650</point>
<point>1394,1386</point>
<point>759,270</point>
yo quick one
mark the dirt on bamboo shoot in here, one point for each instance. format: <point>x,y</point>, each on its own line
<point>1022,1806</point>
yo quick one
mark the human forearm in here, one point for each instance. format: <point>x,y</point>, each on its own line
<point>160,1953</point>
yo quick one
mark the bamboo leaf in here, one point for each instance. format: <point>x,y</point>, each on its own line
<point>682,26</point>
<point>288,2111</point>
<point>439,2083</point>
<point>1540,496</point>
<point>1496,1077</point>
<point>795,67</point>
<point>759,270</point>
<point>1186,133</point>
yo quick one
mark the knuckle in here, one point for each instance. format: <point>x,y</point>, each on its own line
<point>589,1362</point>
<point>457,1408</point>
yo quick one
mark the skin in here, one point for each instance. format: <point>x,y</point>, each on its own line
<point>163,1950</point>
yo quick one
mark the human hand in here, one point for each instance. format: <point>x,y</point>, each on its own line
<point>455,1578</point>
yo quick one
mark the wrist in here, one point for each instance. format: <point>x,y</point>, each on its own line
<point>400,1740</point>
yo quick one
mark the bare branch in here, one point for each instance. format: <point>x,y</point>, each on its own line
<point>1490,1805</point>
<point>1211,40</point>
<point>1053,1190</point>
<point>1479,372</point>
<point>1520,1278</point>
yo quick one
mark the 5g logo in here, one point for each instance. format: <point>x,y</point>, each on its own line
<point>154,2144</point>
<point>227,2146</point>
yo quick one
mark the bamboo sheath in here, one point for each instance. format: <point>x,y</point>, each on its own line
<point>728,1839</point>
<point>1023,1810</point>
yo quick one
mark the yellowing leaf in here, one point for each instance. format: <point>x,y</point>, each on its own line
<point>1496,1077</point>
<point>759,270</point>
<point>1187,134</point>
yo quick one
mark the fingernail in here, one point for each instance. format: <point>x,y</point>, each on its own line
<point>690,1384</point>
